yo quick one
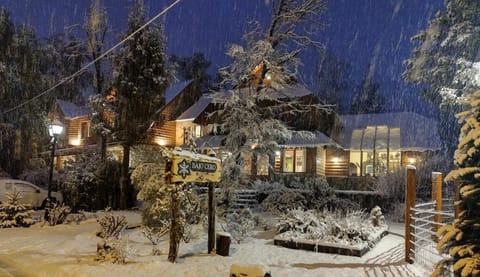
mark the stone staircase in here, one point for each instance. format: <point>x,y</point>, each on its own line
<point>246,198</point>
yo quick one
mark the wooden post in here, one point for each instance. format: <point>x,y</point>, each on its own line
<point>437,182</point>
<point>211,217</point>
<point>175,232</point>
<point>410,191</point>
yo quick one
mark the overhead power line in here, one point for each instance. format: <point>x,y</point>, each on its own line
<point>84,68</point>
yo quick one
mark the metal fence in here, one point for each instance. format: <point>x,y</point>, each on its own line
<point>426,219</point>
<point>422,220</point>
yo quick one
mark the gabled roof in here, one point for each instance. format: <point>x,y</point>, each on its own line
<point>71,110</point>
<point>210,141</point>
<point>318,139</point>
<point>196,109</point>
<point>175,89</point>
<point>416,132</point>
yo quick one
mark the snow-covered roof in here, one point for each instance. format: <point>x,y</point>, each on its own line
<point>175,89</point>
<point>292,91</point>
<point>285,92</point>
<point>71,110</point>
<point>405,131</point>
<point>196,109</point>
<point>211,141</point>
<point>318,139</point>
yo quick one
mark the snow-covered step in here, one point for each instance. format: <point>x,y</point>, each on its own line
<point>246,198</point>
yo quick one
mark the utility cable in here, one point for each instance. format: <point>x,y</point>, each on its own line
<point>84,68</point>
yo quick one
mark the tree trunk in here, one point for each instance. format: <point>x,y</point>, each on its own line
<point>124,177</point>
<point>175,232</point>
<point>101,193</point>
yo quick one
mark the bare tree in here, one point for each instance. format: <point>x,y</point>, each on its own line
<point>96,27</point>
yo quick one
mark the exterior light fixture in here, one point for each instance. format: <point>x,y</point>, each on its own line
<point>411,160</point>
<point>268,76</point>
<point>335,159</point>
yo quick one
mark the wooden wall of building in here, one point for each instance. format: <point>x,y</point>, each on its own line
<point>164,131</point>
<point>320,162</point>
<point>337,167</point>
<point>311,160</point>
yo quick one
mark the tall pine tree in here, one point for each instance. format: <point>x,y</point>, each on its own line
<point>461,240</point>
<point>447,57</point>
<point>140,79</point>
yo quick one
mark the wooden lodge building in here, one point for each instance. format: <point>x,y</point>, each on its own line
<point>342,145</point>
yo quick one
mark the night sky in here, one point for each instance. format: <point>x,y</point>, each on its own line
<point>372,35</point>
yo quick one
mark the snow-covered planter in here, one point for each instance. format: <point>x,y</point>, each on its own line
<point>351,233</point>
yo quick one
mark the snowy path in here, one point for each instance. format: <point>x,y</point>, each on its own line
<point>68,250</point>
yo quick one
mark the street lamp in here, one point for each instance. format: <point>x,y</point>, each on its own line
<point>55,128</point>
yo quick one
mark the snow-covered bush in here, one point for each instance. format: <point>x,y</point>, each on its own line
<point>240,224</point>
<point>13,213</point>
<point>166,206</point>
<point>110,248</point>
<point>57,214</point>
<point>154,237</point>
<point>376,216</point>
<point>299,221</point>
<point>295,192</point>
<point>82,181</point>
<point>391,186</point>
<point>348,228</point>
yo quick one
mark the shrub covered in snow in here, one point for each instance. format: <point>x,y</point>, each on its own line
<point>111,248</point>
<point>57,214</point>
<point>15,214</point>
<point>299,192</point>
<point>154,237</point>
<point>376,216</point>
<point>240,224</point>
<point>347,228</point>
<point>170,207</point>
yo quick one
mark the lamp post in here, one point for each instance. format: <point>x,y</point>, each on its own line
<point>55,128</point>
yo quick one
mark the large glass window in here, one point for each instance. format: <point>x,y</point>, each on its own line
<point>374,150</point>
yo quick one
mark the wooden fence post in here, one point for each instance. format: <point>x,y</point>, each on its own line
<point>437,182</point>
<point>410,193</point>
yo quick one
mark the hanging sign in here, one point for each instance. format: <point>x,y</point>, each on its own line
<point>193,167</point>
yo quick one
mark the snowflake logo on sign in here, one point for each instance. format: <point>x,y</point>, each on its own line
<point>183,169</point>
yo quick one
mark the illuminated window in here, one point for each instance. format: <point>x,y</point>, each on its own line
<point>288,160</point>
<point>247,167</point>
<point>300,160</point>
<point>374,150</point>
<point>262,165</point>
<point>294,160</point>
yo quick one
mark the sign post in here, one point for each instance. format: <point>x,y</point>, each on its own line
<point>192,167</point>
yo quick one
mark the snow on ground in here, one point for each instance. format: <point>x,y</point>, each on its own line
<point>69,250</point>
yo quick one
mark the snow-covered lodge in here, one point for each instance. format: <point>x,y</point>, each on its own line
<point>342,145</point>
